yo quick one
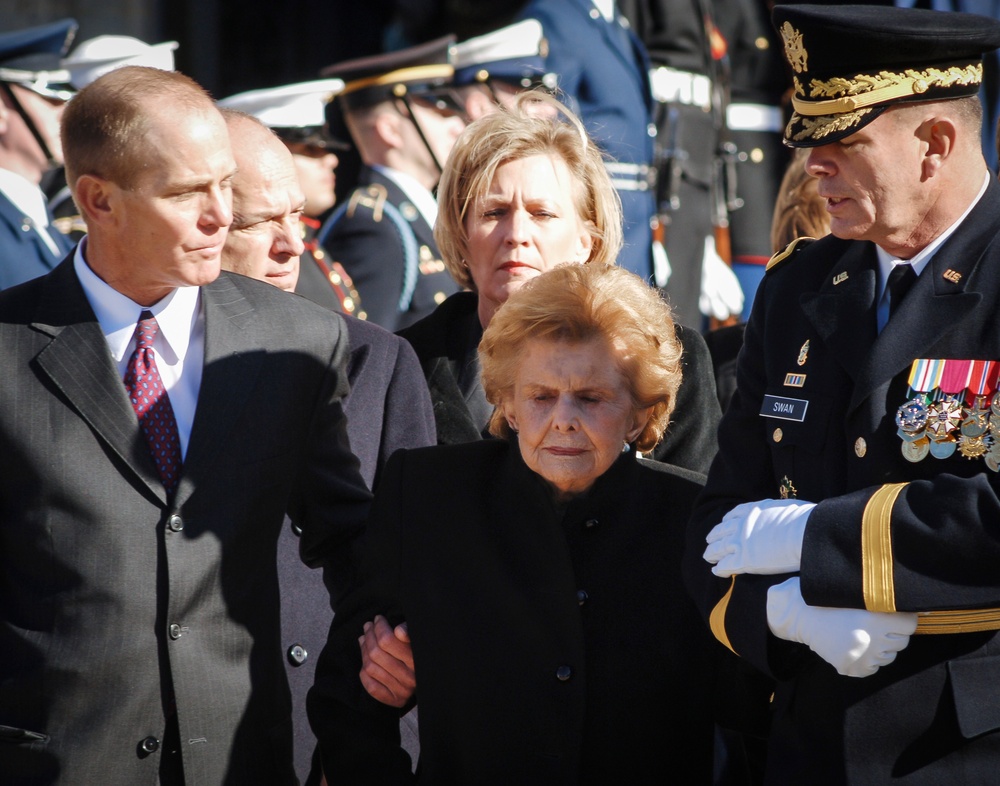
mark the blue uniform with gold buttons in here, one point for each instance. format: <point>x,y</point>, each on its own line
<point>388,249</point>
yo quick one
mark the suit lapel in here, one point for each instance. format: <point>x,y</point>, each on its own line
<point>233,357</point>
<point>78,362</point>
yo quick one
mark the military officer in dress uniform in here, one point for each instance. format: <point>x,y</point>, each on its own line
<point>296,113</point>
<point>851,513</point>
<point>33,91</point>
<point>403,118</point>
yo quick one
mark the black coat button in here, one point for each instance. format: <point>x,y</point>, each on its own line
<point>176,631</point>
<point>296,530</point>
<point>175,523</point>
<point>297,655</point>
<point>150,745</point>
<point>590,523</point>
<point>582,596</point>
<point>563,673</point>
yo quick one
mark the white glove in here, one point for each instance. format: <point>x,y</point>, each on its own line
<point>661,265</point>
<point>855,642</point>
<point>759,537</point>
<point>721,294</point>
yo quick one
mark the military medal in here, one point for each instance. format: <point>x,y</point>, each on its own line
<point>916,451</point>
<point>947,411</point>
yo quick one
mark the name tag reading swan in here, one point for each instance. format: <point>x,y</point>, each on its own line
<point>784,408</point>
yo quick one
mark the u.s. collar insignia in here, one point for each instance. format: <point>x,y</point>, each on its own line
<point>795,51</point>
<point>803,354</point>
<point>786,490</point>
<point>952,275</point>
<point>840,278</point>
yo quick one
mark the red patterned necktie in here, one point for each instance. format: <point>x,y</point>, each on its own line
<point>152,405</point>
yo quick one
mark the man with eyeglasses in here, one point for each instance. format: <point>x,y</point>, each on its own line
<point>33,91</point>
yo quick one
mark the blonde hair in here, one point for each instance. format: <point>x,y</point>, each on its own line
<point>510,135</point>
<point>799,210</point>
<point>579,303</point>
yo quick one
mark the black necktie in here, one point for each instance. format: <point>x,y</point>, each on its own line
<point>901,278</point>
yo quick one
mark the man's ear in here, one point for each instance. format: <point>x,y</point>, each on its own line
<point>939,134</point>
<point>96,198</point>
<point>4,117</point>
<point>387,127</point>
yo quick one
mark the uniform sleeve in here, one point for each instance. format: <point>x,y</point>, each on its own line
<point>358,736</point>
<point>930,546</point>
<point>736,608</point>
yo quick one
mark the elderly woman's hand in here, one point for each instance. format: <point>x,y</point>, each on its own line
<point>387,662</point>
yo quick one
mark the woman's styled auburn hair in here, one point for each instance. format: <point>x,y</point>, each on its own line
<point>510,135</point>
<point>579,303</point>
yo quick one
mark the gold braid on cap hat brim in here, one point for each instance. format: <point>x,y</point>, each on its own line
<point>825,125</point>
<point>864,91</point>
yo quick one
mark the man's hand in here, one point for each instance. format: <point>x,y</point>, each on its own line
<point>855,642</point>
<point>387,662</point>
<point>759,537</point>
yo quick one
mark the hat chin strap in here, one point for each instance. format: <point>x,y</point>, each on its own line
<point>19,108</point>
<point>420,131</point>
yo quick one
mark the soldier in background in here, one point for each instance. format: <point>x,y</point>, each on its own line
<point>296,113</point>
<point>33,91</point>
<point>403,118</point>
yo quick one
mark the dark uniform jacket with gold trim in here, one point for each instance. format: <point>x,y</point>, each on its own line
<point>444,340</point>
<point>932,716</point>
<point>388,249</point>
<point>552,646</point>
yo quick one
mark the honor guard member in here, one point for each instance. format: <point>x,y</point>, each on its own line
<point>296,113</point>
<point>851,514</point>
<point>492,70</point>
<point>89,60</point>
<point>33,90</point>
<point>403,117</point>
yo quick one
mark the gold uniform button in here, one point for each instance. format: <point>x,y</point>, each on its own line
<point>440,297</point>
<point>860,447</point>
<point>778,434</point>
<point>762,43</point>
<point>756,155</point>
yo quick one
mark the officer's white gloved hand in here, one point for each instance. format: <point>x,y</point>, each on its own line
<point>855,642</point>
<point>721,294</point>
<point>759,537</point>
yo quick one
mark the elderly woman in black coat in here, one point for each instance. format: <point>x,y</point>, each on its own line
<point>539,573</point>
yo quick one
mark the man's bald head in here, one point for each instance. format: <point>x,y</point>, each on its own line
<point>265,239</point>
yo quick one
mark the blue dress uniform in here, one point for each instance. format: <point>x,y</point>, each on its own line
<point>603,69</point>
<point>23,253</point>
<point>388,249</point>
<point>889,533</point>
<point>30,58</point>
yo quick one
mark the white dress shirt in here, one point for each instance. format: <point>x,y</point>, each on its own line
<point>179,345</point>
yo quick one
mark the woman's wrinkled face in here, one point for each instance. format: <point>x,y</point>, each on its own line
<point>572,409</point>
<point>526,223</point>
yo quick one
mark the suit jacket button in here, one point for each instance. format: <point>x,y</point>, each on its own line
<point>590,523</point>
<point>175,523</point>
<point>297,654</point>
<point>563,673</point>
<point>150,745</point>
<point>860,447</point>
<point>175,631</point>
<point>582,596</point>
